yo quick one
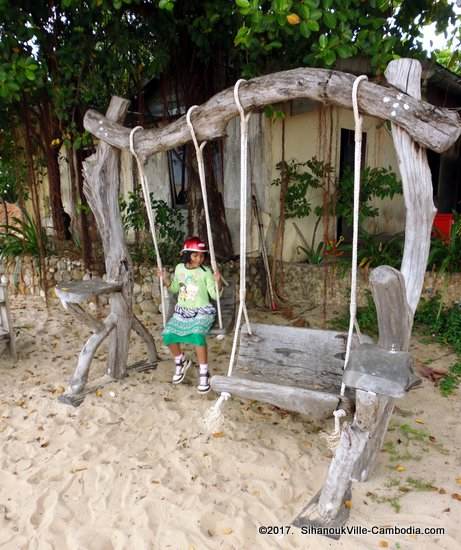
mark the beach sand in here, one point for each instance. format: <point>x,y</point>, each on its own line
<point>133,467</point>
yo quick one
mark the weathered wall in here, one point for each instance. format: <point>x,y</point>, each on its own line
<point>304,285</point>
<point>311,130</point>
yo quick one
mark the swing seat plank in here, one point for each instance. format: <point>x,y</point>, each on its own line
<point>296,369</point>
<point>317,405</point>
<point>290,356</point>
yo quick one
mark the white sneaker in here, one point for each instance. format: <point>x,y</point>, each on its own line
<point>204,382</point>
<point>181,370</point>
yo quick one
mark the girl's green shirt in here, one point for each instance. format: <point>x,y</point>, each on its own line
<point>194,286</point>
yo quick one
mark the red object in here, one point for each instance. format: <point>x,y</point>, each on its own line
<point>194,244</point>
<point>442,223</point>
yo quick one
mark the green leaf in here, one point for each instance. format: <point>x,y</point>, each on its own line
<point>304,29</point>
<point>313,26</point>
<point>304,11</point>
<point>344,51</point>
<point>329,57</point>
<point>323,41</point>
<point>243,37</point>
<point>281,6</point>
<point>383,4</point>
<point>327,4</point>
<point>330,20</point>
<point>167,5</point>
<point>316,14</point>
<point>242,3</point>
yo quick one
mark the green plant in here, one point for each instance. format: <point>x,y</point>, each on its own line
<point>451,380</point>
<point>374,182</point>
<point>443,324</point>
<point>169,223</point>
<point>366,317</point>
<point>314,255</point>
<point>420,484</point>
<point>21,238</point>
<point>303,177</point>
<point>376,250</point>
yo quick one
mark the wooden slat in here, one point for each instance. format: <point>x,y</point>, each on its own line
<point>290,356</point>
<point>317,405</point>
<point>79,291</point>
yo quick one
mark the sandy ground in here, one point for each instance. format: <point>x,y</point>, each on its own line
<point>132,467</point>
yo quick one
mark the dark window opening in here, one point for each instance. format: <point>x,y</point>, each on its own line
<point>346,164</point>
<point>178,175</point>
<point>446,180</point>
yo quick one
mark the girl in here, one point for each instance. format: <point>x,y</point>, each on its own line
<point>193,315</point>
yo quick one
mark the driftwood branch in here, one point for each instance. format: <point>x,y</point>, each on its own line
<point>432,127</point>
<point>394,321</point>
<point>80,376</point>
<point>405,74</point>
<point>142,331</point>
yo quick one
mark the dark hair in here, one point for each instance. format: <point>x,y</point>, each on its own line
<point>186,256</point>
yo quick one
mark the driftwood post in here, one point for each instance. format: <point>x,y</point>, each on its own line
<point>101,188</point>
<point>396,295</point>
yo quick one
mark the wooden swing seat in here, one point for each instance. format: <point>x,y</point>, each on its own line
<point>296,369</point>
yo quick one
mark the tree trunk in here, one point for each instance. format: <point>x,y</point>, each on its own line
<point>49,130</point>
<point>32,181</point>
<point>101,187</point>
<point>84,211</point>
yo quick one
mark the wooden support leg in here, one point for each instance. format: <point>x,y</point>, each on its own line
<point>357,459</point>
<point>329,508</point>
<point>80,376</point>
<point>141,331</point>
<point>84,317</point>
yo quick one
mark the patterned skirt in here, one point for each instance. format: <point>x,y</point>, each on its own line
<point>189,326</point>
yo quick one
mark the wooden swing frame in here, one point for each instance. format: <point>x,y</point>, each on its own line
<point>416,125</point>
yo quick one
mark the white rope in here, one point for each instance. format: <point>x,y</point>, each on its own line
<point>213,416</point>
<point>355,234</point>
<point>333,439</point>
<point>201,171</point>
<point>150,215</point>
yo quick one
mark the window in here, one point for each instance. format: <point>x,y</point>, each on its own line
<point>346,164</point>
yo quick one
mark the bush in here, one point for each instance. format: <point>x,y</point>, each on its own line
<point>21,238</point>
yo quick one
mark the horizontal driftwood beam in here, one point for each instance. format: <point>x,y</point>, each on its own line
<point>315,404</point>
<point>432,127</point>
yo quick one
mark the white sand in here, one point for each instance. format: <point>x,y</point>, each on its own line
<point>133,468</point>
